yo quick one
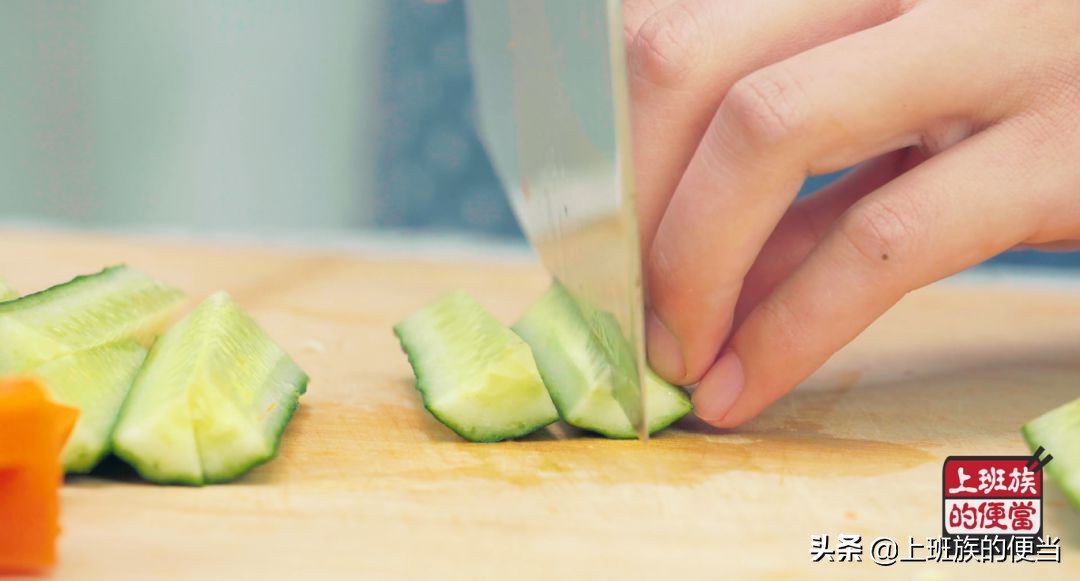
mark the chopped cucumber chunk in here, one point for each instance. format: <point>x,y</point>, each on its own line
<point>115,304</point>
<point>580,376</point>
<point>84,339</point>
<point>475,375</point>
<point>96,381</point>
<point>1058,431</point>
<point>212,400</point>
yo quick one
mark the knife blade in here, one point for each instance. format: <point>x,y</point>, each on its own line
<point>553,114</point>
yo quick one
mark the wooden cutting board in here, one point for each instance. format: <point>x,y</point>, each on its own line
<point>368,486</point>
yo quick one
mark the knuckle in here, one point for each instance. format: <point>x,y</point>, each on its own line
<point>766,108</point>
<point>634,13</point>
<point>880,231</point>
<point>664,48</point>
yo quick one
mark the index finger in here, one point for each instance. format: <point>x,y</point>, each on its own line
<point>684,55</point>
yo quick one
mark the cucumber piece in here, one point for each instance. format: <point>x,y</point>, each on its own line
<point>83,339</point>
<point>96,381</point>
<point>1058,431</point>
<point>578,372</point>
<point>212,400</point>
<point>114,304</point>
<point>6,292</point>
<point>475,375</point>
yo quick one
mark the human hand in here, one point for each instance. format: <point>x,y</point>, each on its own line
<point>964,117</point>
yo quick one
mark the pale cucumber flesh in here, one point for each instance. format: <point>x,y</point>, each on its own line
<point>580,376</point>
<point>7,292</point>
<point>211,401</point>
<point>1058,432</point>
<point>96,382</point>
<point>475,376</point>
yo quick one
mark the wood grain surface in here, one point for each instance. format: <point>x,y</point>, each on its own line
<point>368,486</point>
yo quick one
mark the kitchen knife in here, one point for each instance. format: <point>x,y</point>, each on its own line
<point>550,81</point>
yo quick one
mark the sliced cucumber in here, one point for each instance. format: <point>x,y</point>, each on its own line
<point>96,381</point>
<point>1058,431</point>
<point>580,376</point>
<point>83,339</point>
<point>475,375</point>
<point>115,304</point>
<point>7,293</point>
<point>212,400</point>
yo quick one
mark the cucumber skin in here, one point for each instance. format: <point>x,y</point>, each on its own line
<point>469,434</point>
<point>408,348</point>
<point>36,297</point>
<point>145,336</point>
<point>1070,488</point>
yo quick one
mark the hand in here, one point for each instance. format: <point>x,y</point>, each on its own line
<point>964,117</point>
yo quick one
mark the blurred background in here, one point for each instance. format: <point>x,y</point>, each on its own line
<point>252,118</point>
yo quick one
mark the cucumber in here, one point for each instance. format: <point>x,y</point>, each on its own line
<point>211,401</point>
<point>84,339</point>
<point>474,375</point>
<point>6,292</point>
<point>115,304</point>
<point>579,373</point>
<point>96,381</point>
<point>1058,431</point>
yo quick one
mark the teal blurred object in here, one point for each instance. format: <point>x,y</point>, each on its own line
<point>226,115</point>
<point>433,173</point>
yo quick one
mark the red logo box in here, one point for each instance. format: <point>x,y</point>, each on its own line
<point>991,495</point>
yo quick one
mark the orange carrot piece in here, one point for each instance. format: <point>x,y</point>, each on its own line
<point>33,431</point>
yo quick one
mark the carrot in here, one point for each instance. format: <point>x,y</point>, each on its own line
<point>33,431</point>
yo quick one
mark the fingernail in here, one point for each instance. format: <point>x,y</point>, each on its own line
<point>665,354</point>
<point>718,391</point>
